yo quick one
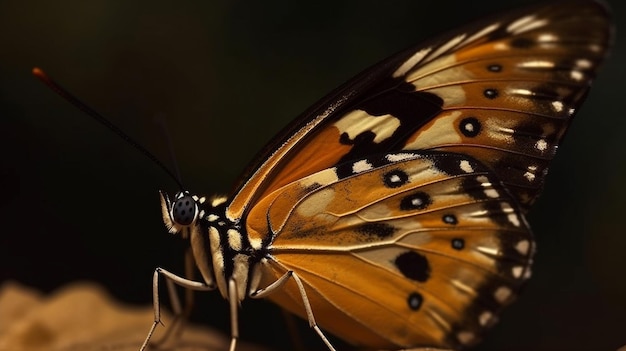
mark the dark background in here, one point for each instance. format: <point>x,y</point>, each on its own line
<point>78,203</point>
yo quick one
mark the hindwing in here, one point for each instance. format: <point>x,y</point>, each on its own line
<point>405,249</point>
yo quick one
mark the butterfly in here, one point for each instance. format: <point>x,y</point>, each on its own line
<point>392,212</point>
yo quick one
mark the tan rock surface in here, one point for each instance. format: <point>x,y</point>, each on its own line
<point>82,316</point>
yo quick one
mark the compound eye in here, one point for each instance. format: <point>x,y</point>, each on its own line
<point>184,210</point>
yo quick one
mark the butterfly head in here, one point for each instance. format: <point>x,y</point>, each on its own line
<point>182,213</point>
<point>222,253</point>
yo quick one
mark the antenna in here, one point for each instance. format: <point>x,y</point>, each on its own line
<point>37,72</point>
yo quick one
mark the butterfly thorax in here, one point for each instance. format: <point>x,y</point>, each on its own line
<point>221,249</point>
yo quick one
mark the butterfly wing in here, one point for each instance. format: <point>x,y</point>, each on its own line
<point>502,90</point>
<point>472,120</point>
<point>402,250</point>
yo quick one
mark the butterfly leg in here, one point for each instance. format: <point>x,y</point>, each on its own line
<point>234,321</point>
<point>181,314</point>
<point>171,278</point>
<point>305,300</point>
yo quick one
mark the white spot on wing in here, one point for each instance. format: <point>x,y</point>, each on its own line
<point>466,166</point>
<point>461,286</point>
<point>489,191</point>
<point>485,318</point>
<point>529,176</point>
<point>417,202</point>
<point>482,33</point>
<point>400,157</point>
<point>595,47</point>
<point>469,127</point>
<point>361,166</point>
<point>536,64</point>
<point>522,247</point>
<point>502,294</point>
<point>394,178</point>
<point>512,216</point>
<point>411,62</point>
<point>466,337</point>
<point>449,45</point>
<point>557,106</point>
<point>517,271</point>
<point>489,251</point>
<point>525,24</point>
<point>212,217</point>
<point>541,145</point>
<point>358,121</point>
<point>514,26</point>
<point>583,63</point>
<point>501,46</point>
<point>547,37</point>
<point>528,273</point>
<point>577,75</point>
<point>524,92</point>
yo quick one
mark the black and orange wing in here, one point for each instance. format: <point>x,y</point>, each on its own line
<point>502,90</point>
<point>400,198</point>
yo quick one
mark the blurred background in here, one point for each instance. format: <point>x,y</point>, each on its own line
<point>80,204</point>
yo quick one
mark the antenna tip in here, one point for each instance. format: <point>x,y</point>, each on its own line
<point>37,72</point>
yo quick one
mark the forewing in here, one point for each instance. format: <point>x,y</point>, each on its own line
<point>502,90</point>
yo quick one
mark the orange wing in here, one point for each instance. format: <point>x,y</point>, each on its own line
<point>399,250</point>
<point>399,199</point>
<point>502,90</point>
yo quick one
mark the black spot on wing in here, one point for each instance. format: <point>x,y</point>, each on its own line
<point>413,266</point>
<point>494,68</point>
<point>417,201</point>
<point>491,93</point>
<point>403,102</point>
<point>365,138</point>
<point>458,244</point>
<point>395,97</point>
<point>450,163</point>
<point>312,187</point>
<point>395,178</point>
<point>470,127</point>
<point>344,170</point>
<point>380,230</point>
<point>415,301</point>
<point>449,219</point>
